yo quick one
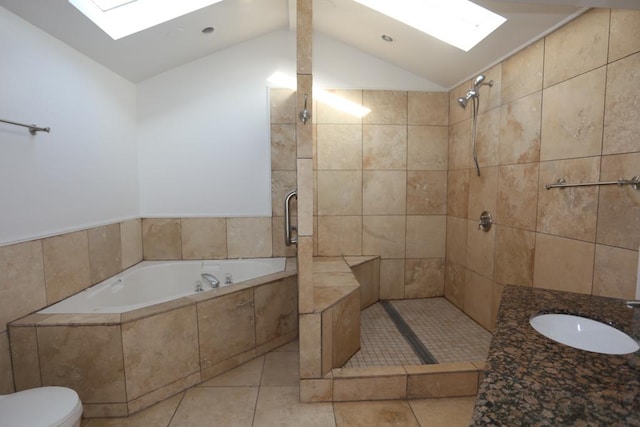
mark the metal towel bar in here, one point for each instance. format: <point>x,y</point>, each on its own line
<point>562,183</point>
<point>288,228</point>
<point>33,129</point>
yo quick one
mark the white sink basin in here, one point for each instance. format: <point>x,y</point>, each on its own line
<point>584,334</point>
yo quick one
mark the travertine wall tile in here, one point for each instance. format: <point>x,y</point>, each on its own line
<point>310,345</point>
<point>282,106</point>
<point>427,148</point>
<point>517,196</point>
<point>226,327</point>
<point>204,238</point>
<point>384,192</point>
<point>339,146</point>
<point>557,208</point>
<point>454,283</point>
<point>480,249</point>
<point>460,145</point>
<point>622,106</point>
<point>426,192</point>
<point>384,147</point>
<point>619,207</point>
<point>81,357</point>
<point>339,192</point>
<point>283,146</point>
<point>478,297</point>
<point>520,123</point>
<point>249,237</point>
<point>514,259</point>
<point>66,265</point>
<point>24,353</point>
<point>160,350</point>
<point>276,310</point>
<point>577,47</point>
<point>426,236</point>
<point>22,285</point>
<point>522,73</point>
<point>458,193</point>
<point>105,252</point>
<point>624,36</point>
<point>428,108</point>
<point>615,272</point>
<point>346,334</point>
<point>488,138</point>
<point>161,238</point>
<point>391,278</point>
<point>6,375</point>
<point>329,114</point>
<point>424,278</point>
<point>563,264</point>
<point>384,236</point>
<point>483,191</point>
<point>572,117</point>
<point>387,107</point>
<point>339,235</point>
<point>131,240</point>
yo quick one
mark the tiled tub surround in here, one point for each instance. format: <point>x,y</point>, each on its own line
<point>566,106</point>
<point>122,363</point>
<point>532,380</point>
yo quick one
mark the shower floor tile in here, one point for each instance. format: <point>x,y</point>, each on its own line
<point>447,333</point>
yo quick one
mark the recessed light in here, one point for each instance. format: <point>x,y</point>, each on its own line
<point>387,38</point>
<point>208,30</point>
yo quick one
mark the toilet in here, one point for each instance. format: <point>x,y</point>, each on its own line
<point>41,407</point>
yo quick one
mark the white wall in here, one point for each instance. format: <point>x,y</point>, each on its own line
<point>84,172</point>
<point>204,126</point>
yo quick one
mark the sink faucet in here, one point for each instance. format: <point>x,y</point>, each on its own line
<point>633,304</point>
<point>211,279</point>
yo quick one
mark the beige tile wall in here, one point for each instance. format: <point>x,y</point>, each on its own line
<point>381,186</point>
<point>566,107</point>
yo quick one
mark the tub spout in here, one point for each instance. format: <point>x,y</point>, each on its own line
<point>211,279</point>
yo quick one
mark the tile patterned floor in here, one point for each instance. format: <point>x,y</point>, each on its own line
<point>264,393</point>
<point>448,334</point>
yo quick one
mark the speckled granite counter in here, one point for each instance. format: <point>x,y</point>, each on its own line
<point>531,380</point>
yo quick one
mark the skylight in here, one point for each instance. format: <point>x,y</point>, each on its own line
<point>120,18</point>
<point>460,23</point>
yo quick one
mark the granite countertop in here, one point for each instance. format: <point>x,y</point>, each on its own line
<point>531,380</point>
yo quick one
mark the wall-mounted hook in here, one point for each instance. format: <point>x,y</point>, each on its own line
<point>304,115</point>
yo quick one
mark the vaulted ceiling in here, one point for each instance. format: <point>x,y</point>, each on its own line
<point>181,40</point>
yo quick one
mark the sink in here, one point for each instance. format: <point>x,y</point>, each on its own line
<point>584,333</point>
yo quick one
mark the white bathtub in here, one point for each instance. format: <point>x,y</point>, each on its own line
<point>153,282</point>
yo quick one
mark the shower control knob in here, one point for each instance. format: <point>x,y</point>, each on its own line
<point>485,221</point>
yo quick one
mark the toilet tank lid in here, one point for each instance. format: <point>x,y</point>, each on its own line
<point>43,406</point>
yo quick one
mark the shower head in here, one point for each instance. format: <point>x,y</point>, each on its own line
<point>479,81</point>
<point>463,101</point>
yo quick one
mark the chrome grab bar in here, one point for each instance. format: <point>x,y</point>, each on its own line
<point>288,228</point>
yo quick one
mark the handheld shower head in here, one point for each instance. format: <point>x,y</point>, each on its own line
<point>470,94</point>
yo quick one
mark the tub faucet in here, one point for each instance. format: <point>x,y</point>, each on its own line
<point>633,304</point>
<point>213,281</point>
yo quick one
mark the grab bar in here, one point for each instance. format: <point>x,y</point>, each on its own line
<point>561,183</point>
<point>32,128</point>
<point>288,228</point>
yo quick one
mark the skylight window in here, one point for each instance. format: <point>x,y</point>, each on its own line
<point>460,23</point>
<point>120,18</point>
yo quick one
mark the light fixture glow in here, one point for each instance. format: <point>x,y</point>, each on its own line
<point>279,79</point>
<point>460,23</point>
<point>120,18</point>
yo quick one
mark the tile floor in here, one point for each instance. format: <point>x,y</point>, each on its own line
<point>448,334</point>
<point>264,393</point>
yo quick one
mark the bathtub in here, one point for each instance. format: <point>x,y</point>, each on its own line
<point>153,282</point>
<point>151,335</point>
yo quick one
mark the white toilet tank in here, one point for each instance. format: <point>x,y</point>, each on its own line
<point>41,407</point>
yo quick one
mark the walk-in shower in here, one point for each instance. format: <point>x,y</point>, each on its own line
<point>474,95</point>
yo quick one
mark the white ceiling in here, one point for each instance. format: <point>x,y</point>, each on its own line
<point>176,42</point>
